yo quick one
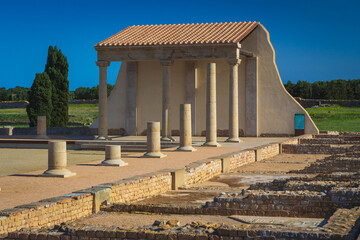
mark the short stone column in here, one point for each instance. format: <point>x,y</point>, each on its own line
<point>41,127</point>
<point>233,102</point>
<point>113,156</point>
<point>153,141</point>
<point>57,161</point>
<point>211,123</point>
<point>166,81</point>
<point>185,129</point>
<point>103,111</point>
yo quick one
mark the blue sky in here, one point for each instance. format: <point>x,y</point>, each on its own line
<point>313,39</point>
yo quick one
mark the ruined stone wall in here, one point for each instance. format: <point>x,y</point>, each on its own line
<point>134,189</point>
<point>46,213</point>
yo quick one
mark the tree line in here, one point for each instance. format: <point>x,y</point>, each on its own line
<point>21,93</point>
<point>333,90</point>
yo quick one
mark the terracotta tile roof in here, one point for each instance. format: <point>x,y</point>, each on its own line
<point>181,34</point>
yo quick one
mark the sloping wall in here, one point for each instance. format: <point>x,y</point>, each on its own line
<point>276,106</point>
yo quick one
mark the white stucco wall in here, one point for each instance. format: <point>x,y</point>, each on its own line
<point>276,106</point>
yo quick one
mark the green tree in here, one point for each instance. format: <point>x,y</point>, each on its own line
<point>3,94</point>
<point>57,68</point>
<point>40,99</point>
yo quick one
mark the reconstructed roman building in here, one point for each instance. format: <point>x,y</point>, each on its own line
<point>163,66</point>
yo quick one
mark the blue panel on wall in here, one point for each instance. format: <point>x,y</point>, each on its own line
<point>299,121</point>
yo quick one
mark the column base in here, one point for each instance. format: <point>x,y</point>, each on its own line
<point>60,173</point>
<point>153,155</point>
<point>102,138</point>
<point>167,139</point>
<point>233,140</point>
<point>113,162</point>
<point>211,144</point>
<point>186,149</point>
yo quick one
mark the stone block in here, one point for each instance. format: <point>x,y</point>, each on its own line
<point>225,164</point>
<point>178,178</point>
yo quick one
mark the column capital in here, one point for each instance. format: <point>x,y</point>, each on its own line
<point>166,62</point>
<point>103,63</point>
<point>234,61</point>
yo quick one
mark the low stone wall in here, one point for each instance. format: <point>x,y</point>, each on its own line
<point>13,104</point>
<point>313,149</point>
<point>343,224</point>
<point>140,187</point>
<point>259,203</point>
<point>269,151</point>
<point>242,158</point>
<point>201,171</point>
<point>307,103</point>
<point>46,213</point>
<point>70,131</point>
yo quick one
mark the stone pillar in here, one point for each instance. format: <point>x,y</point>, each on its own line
<point>113,156</point>
<point>190,91</point>
<point>153,141</point>
<point>233,102</point>
<point>103,111</point>
<point>131,111</point>
<point>185,128</point>
<point>41,127</point>
<point>251,85</point>
<point>166,130</point>
<point>57,161</point>
<point>211,124</point>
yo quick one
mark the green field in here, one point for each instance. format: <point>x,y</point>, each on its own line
<point>326,118</point>
<point>336,118</point>
<point>79,114</point>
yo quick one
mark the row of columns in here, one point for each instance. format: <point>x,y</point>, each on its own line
<point>166,81</point>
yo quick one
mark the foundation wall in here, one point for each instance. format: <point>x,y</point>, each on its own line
<point>46,213</point>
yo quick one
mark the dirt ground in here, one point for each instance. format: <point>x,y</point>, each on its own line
<point>12,160</point>
<point>127,220</point>
<point>263,171</point>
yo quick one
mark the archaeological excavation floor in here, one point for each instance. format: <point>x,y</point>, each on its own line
<point>309,191</point>
<point>26,187</point>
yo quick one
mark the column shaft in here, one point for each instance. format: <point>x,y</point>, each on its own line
<point>153,141</point>
<point>166,131</point>
<point>211,123</point>
<point>190,91</point>
<point>103,111</point>
<point>252,89</point>
<point>185,129</point>
<point>233,103</point>
<point>131,113</point>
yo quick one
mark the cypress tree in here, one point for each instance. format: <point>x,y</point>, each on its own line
<point>57,68</point>
<point>40,99</point>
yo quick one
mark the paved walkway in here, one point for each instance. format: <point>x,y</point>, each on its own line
<point>26,188</point>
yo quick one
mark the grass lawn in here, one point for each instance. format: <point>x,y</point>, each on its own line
<point>78,113</point>
<point>336,118</point>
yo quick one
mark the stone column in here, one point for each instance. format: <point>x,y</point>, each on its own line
<point>131,111</point>
<point>185,129</point>
<point>57,161</point>
<point>166,130</point>
<point>252,90</point>
<point>103,111</point>
<point>211,124</point>
<point>153,141</point>
<point>190,91</point>
<point>41,127</point>
<point>113,156</point>
<point>233,102</point>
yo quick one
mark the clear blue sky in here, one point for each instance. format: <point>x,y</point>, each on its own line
<point>313,39</point>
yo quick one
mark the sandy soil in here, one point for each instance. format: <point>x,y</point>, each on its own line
<point>26,188</point>
<point>132,220</point>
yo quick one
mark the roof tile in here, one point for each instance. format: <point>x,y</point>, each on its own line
<point>181,34</point>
